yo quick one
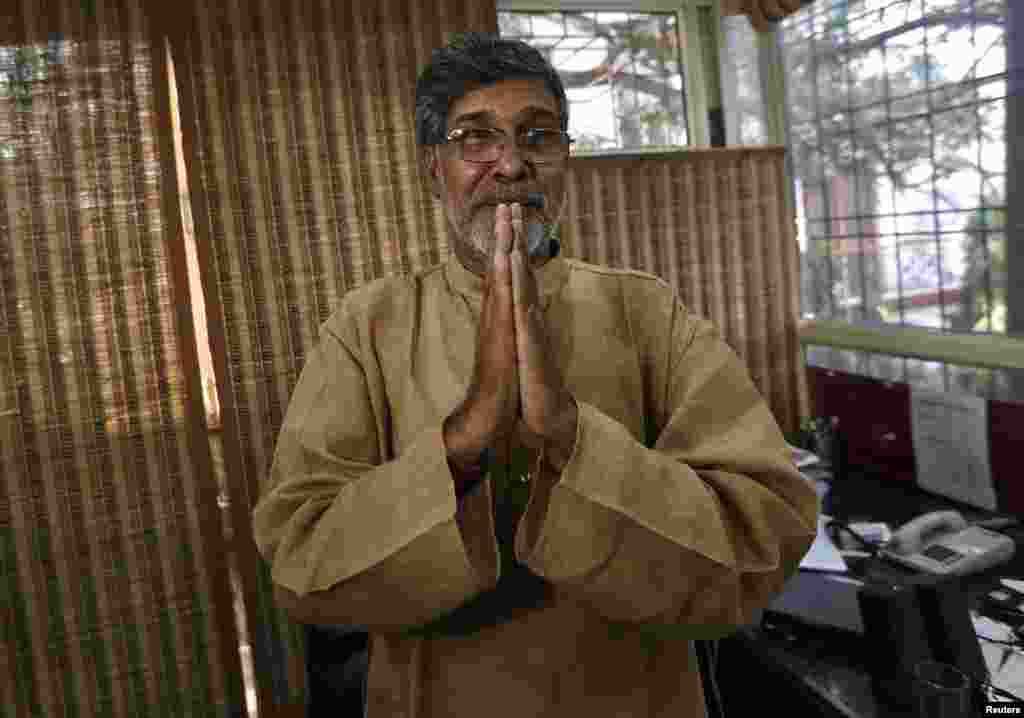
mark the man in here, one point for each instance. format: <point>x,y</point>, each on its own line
<point>534,481</point>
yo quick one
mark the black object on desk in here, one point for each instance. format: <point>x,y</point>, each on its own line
<point>920,618</point>
<point>821,668</point>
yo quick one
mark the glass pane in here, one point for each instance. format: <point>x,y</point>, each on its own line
<point>990,140</point>
<point>870,120</point>
<point>867,78</point>
<point>906,65</point>
<point>741,83</point>
<point>812,194</point>
<point>833,86</point>
<point>910,103</point>
<point>970,380</point>
<point>926,374</point>
<point>1008,385</point>
<point>815,272</point>
<point>889,307</point>
<point>883,366</point>
<point>993,306</point>
<point>918,266</point>
<point>622,72</point>
<point>994,188</point>
<point>830,358</point>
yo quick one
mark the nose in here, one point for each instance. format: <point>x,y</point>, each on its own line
<point>512,166</point>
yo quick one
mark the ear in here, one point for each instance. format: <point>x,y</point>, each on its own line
<point>431,163</point>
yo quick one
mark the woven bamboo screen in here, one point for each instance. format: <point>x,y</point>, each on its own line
<point>719,227</point>
<point>304,183</point>
<point>113,594</point>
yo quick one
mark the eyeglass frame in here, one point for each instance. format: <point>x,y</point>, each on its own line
<point>454,137</point>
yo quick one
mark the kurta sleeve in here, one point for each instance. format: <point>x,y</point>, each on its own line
<point>693,534</point>
<point>351,538</point>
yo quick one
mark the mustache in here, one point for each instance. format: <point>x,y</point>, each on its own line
<point>527,199</point>
<point>534,202</point>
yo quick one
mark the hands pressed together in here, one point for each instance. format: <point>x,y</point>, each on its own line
<point>516,389</point>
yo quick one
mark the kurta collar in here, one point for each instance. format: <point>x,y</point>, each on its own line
<point>552,276</point>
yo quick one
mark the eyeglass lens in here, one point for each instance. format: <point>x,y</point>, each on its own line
<point>539,146</point>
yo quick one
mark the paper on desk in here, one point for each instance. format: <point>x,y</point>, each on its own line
<point>951,446</point>
<point>823,554</point>
<point>802,457</point>
<point>1012,583</point>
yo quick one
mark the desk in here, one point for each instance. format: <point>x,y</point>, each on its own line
<point>817,672</point>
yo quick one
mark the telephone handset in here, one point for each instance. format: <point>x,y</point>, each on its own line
<point>944,543</point>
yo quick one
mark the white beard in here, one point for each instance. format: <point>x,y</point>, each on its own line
<point>537,236</point>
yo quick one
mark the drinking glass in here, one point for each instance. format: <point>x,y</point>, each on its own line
<point>941,691</point>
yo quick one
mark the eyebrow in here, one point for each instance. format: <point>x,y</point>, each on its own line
<point>532,112</point>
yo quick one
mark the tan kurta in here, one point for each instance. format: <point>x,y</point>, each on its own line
<point>679,512</point>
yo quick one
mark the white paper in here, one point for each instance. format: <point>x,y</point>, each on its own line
<point>951,446</point>
<point>823,554</point>
<point>803,458</point>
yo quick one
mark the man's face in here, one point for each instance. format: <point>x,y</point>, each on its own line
<point>471,192</point>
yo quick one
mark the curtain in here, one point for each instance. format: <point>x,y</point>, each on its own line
<point>113,592</point>
<point>297,125</point>
<point>719,227</point>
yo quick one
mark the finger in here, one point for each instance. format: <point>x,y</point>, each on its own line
<point>528,295</point>
<point>500,296</point>
<point>524,280</point>
<point>498,345</point>
<point>529,340</point>
<point>518,273</point>
<point>503,236</point>
<point>517,224</point>
<point>503,227</point>
<point>498,302</point>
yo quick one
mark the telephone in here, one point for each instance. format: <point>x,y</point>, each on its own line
<point>944,543</point>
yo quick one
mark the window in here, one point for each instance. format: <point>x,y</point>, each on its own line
<point>897,113</point>
<point>742,93</point>
<point>623,73</point>
<point>896,128</point>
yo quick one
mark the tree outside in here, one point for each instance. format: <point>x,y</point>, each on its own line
<point>622,73</point>
<point>897,129</point>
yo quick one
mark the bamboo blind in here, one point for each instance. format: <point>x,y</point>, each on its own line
<point>719,227</point>
<point>113,594</point>
<point>304,183</point>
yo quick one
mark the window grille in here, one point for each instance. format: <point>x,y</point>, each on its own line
<point>622,72</point>
<point>896,130</point>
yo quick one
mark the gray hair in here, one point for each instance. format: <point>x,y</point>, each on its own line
<point>470,60</point>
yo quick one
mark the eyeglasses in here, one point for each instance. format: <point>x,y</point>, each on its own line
<point>483,145</point>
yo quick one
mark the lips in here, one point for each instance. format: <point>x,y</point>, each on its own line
<point>501,201</point>
<point>527,200</point>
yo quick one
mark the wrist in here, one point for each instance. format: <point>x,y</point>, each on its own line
<point>466,477</point>
<point>466,454</point>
